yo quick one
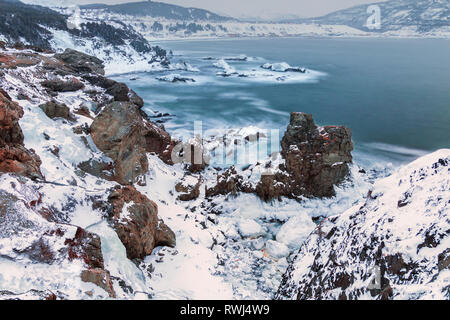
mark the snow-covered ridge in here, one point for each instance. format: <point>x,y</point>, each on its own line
<point>392,245</point>
<point>400,18</point>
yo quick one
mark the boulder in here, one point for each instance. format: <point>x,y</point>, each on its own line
<point>81,62</point>
<point>189,188</point>
<point>63,85</point>
<point>14,157</point>
<point>101,278</point>
<point>316,158</point>
<point>56,110</point>
<point>121,132</point>
<point>135,219</point>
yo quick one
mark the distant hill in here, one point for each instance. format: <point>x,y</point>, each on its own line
<point>424,15</point>
<point>32,24</point>
<point>159,9</point>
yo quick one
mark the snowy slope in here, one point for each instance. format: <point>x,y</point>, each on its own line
<point>394,244</point>
<point>421,16</point>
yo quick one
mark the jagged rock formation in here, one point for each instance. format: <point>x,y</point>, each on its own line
<point>316,159</point>
<point>14,157</point>
<point>81,63</point>
<point>189,188</point>
<point>135,219</point>
<point>37,218</point>
<point>392,246</point>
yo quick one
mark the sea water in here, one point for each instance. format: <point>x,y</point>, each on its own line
<point>394,94</point>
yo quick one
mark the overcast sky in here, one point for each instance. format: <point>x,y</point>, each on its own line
<point>267,8</point>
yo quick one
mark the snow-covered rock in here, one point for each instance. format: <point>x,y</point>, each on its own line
<point>294,232</point>
<point>276,250</point>
<point>249,228</point>
<point>392,245</point>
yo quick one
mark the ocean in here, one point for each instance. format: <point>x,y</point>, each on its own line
<point>394,94</point>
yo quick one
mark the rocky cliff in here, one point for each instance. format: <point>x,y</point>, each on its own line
<point>392,245</point>
<point>64,170</point>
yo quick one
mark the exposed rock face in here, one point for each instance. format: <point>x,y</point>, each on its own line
<point>118,90</point>
<point>229,182</point>
<point>56,110</point>
<point>14,157</point>
<point>135,219</point>
<point>125,136</point>
<point>81,63</point>
<point>316,158</point>
<point>101,278</point>
<point>86,246</point>
<point>380,249</point>
<point>189,188</point>
<point>119,131</point>
<point>63,86</point>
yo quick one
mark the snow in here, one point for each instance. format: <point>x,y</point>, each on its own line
<point>295,231</point>
<point>277,249</point>
<point>238,252</point>
<point>249,228</point>
<point>403,210</point>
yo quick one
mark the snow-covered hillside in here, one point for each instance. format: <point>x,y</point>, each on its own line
<point>393,245</point>
<point>397,17</point>
<point>118,45</point>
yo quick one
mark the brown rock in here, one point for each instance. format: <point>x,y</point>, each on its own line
<point>137,225</point>
<point>56,110</point>
<point>81,62</point>
<point>125,136</point>
<point>63,86</point>
<point>229,182</point>
<point>87,247</point>
<point>14,157</point>
<point>101,278</point>
<point>189,188</point>
<point>317,159</point>
<point>119,131</point>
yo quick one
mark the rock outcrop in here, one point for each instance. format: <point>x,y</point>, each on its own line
<point>121,132</point>
<point>317,158</point>
<point>393,245</point>
<point>135,219</point>
<point>14,157</point>
<point>189,188</point>
<point>63,85</point>
<point>81,63</point>
<point>101,278</point>
<point>56,110</point>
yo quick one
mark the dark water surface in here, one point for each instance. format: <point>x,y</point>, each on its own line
<point>393,93</point>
